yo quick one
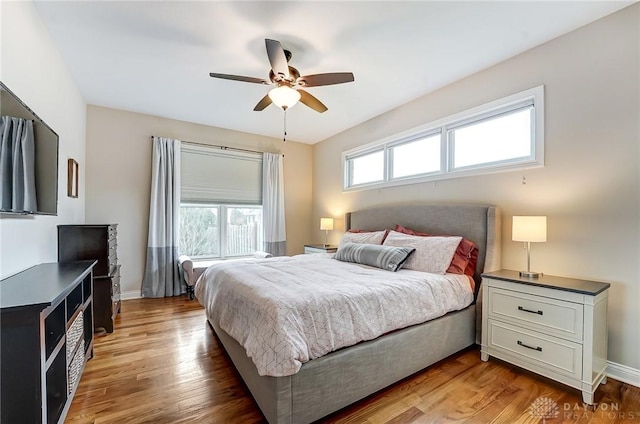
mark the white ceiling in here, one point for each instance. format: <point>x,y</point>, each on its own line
<point>154,57</point>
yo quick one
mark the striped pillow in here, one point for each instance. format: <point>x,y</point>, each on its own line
<point>389,258</point>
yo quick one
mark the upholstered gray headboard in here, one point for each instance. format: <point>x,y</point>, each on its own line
<point>478,223</point>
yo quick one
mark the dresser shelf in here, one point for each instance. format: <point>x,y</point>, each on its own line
<point>46,318</point>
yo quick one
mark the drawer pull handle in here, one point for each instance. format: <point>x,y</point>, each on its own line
<point>520,308</point>
<point>539,349</point>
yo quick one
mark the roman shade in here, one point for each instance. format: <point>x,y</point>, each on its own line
<point>213,175</point>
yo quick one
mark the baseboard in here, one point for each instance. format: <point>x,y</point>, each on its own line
<point>133,294</point>
<point>623,373</point>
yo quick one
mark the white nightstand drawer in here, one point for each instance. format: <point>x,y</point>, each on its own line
<point>550,316</point>
<point>536,350</point>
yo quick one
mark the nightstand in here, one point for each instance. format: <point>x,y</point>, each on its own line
<point>320,248</point>
<point>553,326</point>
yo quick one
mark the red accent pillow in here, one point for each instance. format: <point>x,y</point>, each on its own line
<point>464,259</point>
<point>470,270</point>
<point>405,230</point>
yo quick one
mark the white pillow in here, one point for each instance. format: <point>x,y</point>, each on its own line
<point>433,254</point>
<point>369,237</point>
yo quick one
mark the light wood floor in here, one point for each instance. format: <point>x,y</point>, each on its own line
<point>163,364</point>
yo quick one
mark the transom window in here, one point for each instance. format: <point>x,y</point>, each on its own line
<point>502,135</point>
<point>416,157</point>
<point>367,168</point>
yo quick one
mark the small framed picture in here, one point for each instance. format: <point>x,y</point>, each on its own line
<point>72,178</point>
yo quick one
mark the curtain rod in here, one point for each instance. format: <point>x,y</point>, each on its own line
<point>238,149</point>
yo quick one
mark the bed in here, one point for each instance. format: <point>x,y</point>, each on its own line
<point>334,380</point>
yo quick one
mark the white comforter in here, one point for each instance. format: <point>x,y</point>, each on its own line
<point>288,310</point>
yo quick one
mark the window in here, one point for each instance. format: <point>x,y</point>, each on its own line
<point>199,230</point>
<point>502,135</point>
<point>221,202</point>
<point>220,231</point>
<point>416,157</point>
<point>502,138</point>
<point>367,168</point>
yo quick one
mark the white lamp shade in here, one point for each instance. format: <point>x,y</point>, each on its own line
<point>326,224</point>
<point>529,228</point>
<point>284,97</point>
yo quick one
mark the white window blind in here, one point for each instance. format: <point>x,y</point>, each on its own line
<point>212,175</point>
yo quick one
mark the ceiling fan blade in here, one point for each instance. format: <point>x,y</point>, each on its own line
<point>263,103</point>
<point>277,58</point>
<point>311,101</point>
<point>325,79</point>
<point>239,78</point>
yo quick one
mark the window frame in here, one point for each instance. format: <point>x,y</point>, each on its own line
<point>501,112</point>
<point>223,209</point>
<point>349,170</point>
<point>407,140</point>
<point>532,97</point>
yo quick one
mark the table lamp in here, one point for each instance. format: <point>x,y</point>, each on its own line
<point>326,224</point>
<point>529,229</point>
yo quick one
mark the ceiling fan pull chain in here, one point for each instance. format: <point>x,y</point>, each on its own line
<point>284,138</point>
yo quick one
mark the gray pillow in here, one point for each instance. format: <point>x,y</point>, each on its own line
<point>390,258</point>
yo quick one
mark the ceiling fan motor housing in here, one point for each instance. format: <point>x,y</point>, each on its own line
<point>294,74</point>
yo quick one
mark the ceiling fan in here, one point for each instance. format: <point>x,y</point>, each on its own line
<point>289,84</point>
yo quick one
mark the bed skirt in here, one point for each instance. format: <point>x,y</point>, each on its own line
<point>329,383</point>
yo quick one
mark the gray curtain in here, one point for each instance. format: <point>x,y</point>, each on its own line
<point>161,276</point>
<point>17,165</point>
<point>275,236</point>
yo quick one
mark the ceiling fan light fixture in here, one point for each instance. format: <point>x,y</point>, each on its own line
<point>284,97</point>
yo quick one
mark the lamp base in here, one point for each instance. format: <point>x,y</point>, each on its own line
<point>530,274</point>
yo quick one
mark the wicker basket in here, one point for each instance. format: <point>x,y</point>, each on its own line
<point>75,334</point>
<point>75,369</point>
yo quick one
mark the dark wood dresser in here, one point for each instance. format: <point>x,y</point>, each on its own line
<point>46,338</point>
<point>100,242</point>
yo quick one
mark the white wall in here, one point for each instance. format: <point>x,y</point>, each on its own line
<point>589,187</point>
<point>33,69</point>
<point>119,179</point>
